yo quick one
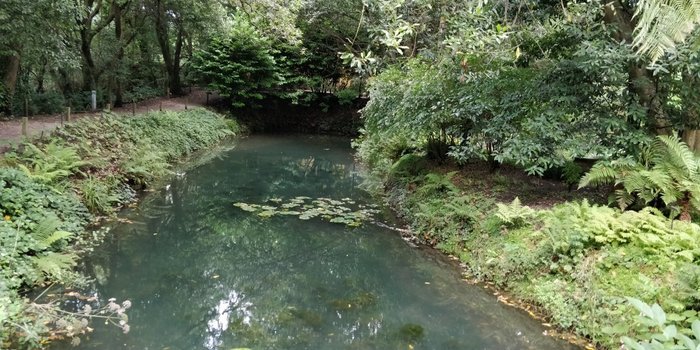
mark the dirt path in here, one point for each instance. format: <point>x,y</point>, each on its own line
<point>11,130</point>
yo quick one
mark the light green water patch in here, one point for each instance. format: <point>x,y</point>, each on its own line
<point>202,274</point>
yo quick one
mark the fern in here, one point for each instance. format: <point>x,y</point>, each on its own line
<point>437,183</point>
<point>668,170</point>
<point>663,23</point>
<point>47,232</point>
<point>515,214</point>
<point>52,164</point>
<point>53,264</point>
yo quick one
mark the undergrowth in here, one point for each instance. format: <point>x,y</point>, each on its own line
<point>51,190</point>
<point>578,263</point>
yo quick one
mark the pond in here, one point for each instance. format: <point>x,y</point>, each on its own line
<point>204,274</point>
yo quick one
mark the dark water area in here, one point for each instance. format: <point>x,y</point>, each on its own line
<point>203,274</point>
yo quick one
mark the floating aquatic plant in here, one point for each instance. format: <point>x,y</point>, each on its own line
<point>344,211</point>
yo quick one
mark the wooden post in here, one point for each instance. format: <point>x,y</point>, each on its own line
<point>25,120</point>
<point>109,107</point>
<point>68,116</point>
<point>161,106</point>
<point>26,107</point>
<point>61,116</point>
<point>186,100</point>
<point>133,107</point>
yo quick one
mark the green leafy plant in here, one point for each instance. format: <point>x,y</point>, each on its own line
<point>515,214</point>
<point>97,195</point>
<point>667,171</point>
<point>52,163</point>
<point>659,333</point>
<point>239,65</point>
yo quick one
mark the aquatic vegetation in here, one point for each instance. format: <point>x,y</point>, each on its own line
<point>307,317</point>
<point>344,211</point>
<point>411,332</point>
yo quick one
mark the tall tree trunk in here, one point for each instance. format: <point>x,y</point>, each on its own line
<point>175,83</point>
<point>171,59</point>
<point>40,78</point>
<point>692,138</point>
<point>163,38</point>
<point>89,69</point>
<point>9,66</point>
<point>118,34</point>
<point>641,80</point>
<point>685,207</point>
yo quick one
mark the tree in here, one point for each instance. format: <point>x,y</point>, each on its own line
<point>238,65</point>
<point>176,21</point>
<point>23,29</point>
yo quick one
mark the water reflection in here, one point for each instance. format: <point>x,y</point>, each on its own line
<point>221,317</point>
<point>203,274</point>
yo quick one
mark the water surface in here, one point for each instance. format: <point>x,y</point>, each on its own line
<point>202,274</point>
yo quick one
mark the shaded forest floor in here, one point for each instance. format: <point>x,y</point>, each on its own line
<point>11,130</point>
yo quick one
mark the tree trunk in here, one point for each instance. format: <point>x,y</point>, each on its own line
<point>41,78</point>
<point>89,69</point>
<point>641,80</point>
<point>118,34</point>
<point>10,71</point>
<point>692,138</point>
<point>685,207</point>
<point>175,83</point>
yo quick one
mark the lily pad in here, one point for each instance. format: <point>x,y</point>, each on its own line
<point>342,211</point>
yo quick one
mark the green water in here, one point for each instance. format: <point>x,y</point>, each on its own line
<point>202,274</point>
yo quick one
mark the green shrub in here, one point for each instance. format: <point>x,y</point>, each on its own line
<point>347,96</point>
<point>50,163</point>
<point>408,167</point>
<point>140,93</point>
<point>44,207</point>
<point>515,214</point>
<point>97,195</point>
<point>26,202</point>
<point>239,65</point>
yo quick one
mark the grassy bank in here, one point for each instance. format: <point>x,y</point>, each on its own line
<point>575,262</point>
<point>51,191</point>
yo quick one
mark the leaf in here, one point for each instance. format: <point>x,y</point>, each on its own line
<point>246,207</point>
<point>658,314</point>
<point>670,332</point>
<point>266,214</point>
<point>642,307</point>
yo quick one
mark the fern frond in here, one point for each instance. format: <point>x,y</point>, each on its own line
<point>47,233</point>
<point>662,24</point>
<point>675,157</point>
<point>624,199</point>
<point>601,173</point>
<point>53,264</point>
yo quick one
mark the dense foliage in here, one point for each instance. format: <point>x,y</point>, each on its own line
<point>52,190</point>
<point>577,262</point>
<point>238,65</point>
